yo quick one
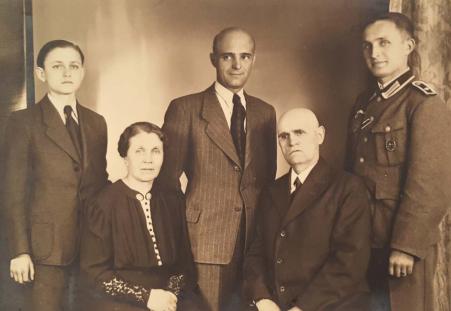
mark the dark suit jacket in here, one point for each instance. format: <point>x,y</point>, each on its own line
<point>219,189</point>
<point>314,252</point>
<point>46,182</point>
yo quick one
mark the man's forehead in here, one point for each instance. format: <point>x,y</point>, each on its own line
<point>236,40</point>
<point>381,29</point>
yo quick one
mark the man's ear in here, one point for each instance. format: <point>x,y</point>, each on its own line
<point>213,59</point>
<point>410,45</point>
<point>321,132</point>
<point>40,73</point>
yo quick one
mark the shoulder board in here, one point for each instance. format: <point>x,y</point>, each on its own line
<point>424,87</point>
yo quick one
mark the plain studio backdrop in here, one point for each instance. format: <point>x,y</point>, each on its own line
<point>140,54</point>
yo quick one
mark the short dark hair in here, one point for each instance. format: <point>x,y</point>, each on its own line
<point>54,44</point>
<point>405,25</point>
<point>134,129</point>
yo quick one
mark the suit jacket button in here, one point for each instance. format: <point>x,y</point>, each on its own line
<point>76,168</point>
<point>282,289</point>
<point>279,260</point>
<point>283,234</point>
<point>236,168</point>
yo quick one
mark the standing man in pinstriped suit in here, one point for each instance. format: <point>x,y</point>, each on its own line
<point>224,140</point>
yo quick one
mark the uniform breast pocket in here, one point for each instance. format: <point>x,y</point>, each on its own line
<point>390,140</point>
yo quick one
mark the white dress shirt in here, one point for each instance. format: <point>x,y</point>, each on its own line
<point>60,108</point>
<point>225,98</point>
<point>302,176</point>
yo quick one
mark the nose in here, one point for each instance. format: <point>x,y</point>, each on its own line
<point>292,140</point>
<point>66,72</point>
<point>374,51</point>
<point>148,158</point>
<point>236,64</point>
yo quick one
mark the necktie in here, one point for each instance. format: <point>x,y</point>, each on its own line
<point>297,184</point>
<point>73,129</point>
<point>237,127</point>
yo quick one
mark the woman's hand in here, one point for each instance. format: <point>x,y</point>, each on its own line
<point>21,269</point>
<point>162,300</point>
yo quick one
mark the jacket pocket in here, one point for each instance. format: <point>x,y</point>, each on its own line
<point>390,139</point>
<point>192,215</point>
<point>41,240</point>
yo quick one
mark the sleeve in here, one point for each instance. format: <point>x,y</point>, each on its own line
<point>186,278</point>
<point>104,150</point>
<point>176,128</point>
<point>17,168</point>
<point>272,146</point>
<point>344,271</point>
<point>254,270</point>
<point>426,194</point>
<point>96,260</point>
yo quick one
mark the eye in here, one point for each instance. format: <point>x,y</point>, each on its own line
<point>57,66</point>
<point>246,57</point>
<point>366,46</point>
<point>299,132</point>
<point>283,136</point>
<point>74,67</point>
<point>156,150</point>
<point>226,57</point>
<point>385,42</point>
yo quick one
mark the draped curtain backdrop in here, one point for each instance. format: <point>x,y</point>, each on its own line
<point>433,30</point>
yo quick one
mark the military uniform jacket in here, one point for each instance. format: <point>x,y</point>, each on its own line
<point>399,143</point>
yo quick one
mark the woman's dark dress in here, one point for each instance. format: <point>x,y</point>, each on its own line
<point>118,256</point>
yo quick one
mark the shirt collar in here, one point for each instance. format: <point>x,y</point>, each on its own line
<point>227,95</point>
<point>302,176</point>
<point>60,107</point>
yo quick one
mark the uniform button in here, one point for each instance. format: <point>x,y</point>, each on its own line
<point>236,168</point>
<point>279,260</point>
<point>378,99</point>
<point>387,128</point>
<point>361,160</point>
<point>365,139</point>
<point>237,208</point>
<point>283,234</point>
<point>282,289</point>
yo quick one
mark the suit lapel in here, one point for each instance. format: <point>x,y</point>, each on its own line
<point>314,186</point>
<point>217,128</point>
<point>251,118</point>
<point>56,130</point>
<point>280,194</point>
<point>84,132</point>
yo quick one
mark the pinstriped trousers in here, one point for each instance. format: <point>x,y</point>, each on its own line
<point>220,285</point>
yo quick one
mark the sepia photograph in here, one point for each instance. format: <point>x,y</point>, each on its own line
<point>213,155</point>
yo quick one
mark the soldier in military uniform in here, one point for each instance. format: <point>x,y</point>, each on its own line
<point>399,144</point>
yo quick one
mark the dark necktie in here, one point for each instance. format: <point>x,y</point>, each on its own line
<point>237,127</point>
<point>73,129</point>
<point>297,183</point>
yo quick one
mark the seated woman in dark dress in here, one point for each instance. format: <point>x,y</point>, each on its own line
<point>135,248</point>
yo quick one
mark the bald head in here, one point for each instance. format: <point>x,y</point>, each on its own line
<point>231,33</point>
<point>299,136</point>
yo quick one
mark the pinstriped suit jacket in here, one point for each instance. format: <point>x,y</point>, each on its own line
<point>219,190</point>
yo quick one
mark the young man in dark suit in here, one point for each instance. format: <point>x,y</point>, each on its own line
<point>54,162</point>
<point>311,248</point>
<point>224,140</point>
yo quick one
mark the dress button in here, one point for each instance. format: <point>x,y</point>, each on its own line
<point>378,99</point>
<point>387,128</point>
<point>282,289</point>
<point>279,260</point>
<point>283,234</point>
<point>362,159</point>
<point>365,139</point>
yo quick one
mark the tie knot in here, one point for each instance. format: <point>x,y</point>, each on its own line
<point>68,110</point>
<point>236,99</point>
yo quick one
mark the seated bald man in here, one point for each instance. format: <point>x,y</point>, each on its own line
<point>312,241</point>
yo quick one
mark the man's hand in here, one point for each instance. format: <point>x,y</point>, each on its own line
<point>162,300</point>
<point>295,308</point>
<point>400,264</point>
<point>21,269</point>
<point>267,305</point>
